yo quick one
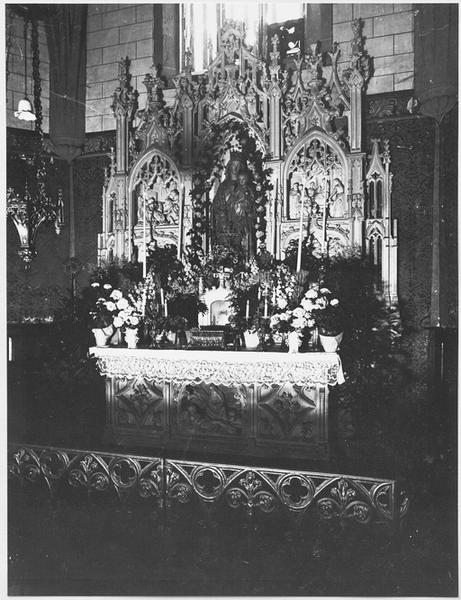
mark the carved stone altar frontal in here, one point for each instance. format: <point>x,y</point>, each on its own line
<point>248,403</point>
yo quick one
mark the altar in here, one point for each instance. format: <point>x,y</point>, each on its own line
<point>254,404</point>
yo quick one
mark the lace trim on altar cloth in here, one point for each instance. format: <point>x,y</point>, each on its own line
<point>299,369</point>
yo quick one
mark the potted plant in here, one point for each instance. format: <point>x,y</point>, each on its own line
<point>102,314</point>
<point>328,316</point>
<point>254,332</point>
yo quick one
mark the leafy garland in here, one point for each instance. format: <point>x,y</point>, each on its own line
<point>209,167</point>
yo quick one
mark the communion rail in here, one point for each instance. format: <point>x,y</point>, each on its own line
<point>167,484</point>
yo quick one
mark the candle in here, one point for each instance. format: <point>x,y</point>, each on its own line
<point>259,293</point>
<point>162,297</point>
<point>273,297</point>
<point>10,349</point>
<point>165,309</point>
<point>265,307</point>
<point>247,313</point>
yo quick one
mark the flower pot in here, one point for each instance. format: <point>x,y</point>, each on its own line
<point>102,335</point>
<point>131,337</point>
<point>330,343</point>
<point>171,336</point>
<point>294,342</point>
<point>116,338</point>
<point>251,339</point>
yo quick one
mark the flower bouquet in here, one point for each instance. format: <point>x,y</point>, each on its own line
<point>114,310</point>
<point>324,308</point>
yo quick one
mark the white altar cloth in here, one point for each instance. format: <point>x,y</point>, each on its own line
<point>220,367</point>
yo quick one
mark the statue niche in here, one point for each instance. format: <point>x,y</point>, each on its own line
<point>233,209</point>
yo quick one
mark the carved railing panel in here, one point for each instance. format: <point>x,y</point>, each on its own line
<point>248,490</point>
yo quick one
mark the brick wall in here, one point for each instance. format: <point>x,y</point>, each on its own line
<point>114,32</point>
<point>16,67</point>
<point>388,29</point>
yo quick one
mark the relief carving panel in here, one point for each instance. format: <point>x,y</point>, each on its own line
<point>288,413</point>
<point>208,409</point>
<point>140,404</point>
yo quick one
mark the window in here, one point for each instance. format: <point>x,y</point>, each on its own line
<point>201,24</point>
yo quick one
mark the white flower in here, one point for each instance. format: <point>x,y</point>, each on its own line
<point>107,286</point>
<point>116,295</point>
<point>118,322</point>
<point>321,303</point>
<point>334,302</point>
<point>325,291</point>
<point>275,319</point>
<point>110,306</point>
<point>299,323</point>
<point>133,321</point>
<point>122,303</point>
<point>311,294</point>
<point>310,322</point>
<point>307,304</point>
<point>285,316</point>
<point>95,284</point>
<point>281,303</point>
<point>298,312</point>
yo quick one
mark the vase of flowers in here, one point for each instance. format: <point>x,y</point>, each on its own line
<point>114,314</point>
<point>131,337</point>
<point>294,341</point>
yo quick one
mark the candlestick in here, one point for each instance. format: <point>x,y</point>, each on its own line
<point>325,208</point>
<point>144,294</point>
<point>180,219</point>
<point>300,240</point>
<point>247,312</point>
<point>144,262</point>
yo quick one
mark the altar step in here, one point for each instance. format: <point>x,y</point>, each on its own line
<point>215,489</point>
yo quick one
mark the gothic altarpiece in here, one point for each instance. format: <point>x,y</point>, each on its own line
<point>307,117</point>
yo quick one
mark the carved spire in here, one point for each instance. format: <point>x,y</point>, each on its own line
<point>275,56</point>
<point>360,61</point>
<point>124,97</point>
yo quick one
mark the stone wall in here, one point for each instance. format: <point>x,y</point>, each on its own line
<point>114,32</point>
<point>16,67</point>
<point>388,29</point>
